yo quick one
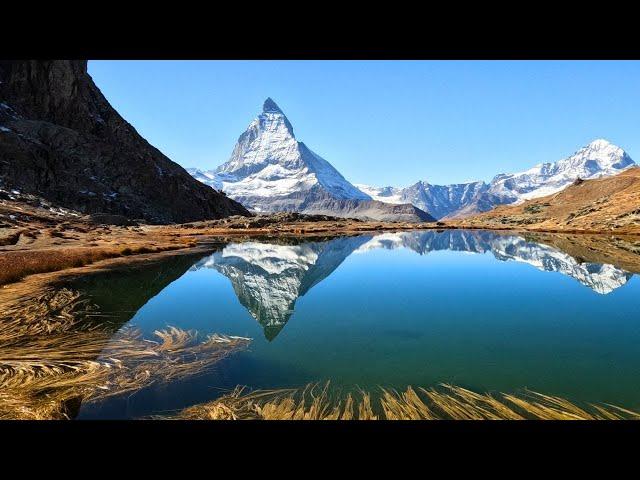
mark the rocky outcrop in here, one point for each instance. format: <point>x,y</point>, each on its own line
<point>62,140</point>
<point>439,200</point>
<point>324,204</point>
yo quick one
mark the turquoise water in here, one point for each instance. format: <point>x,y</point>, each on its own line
<point>476,309</point>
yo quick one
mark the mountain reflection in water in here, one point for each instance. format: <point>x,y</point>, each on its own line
<point>268,278</point>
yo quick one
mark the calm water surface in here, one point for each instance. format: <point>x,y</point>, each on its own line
<point>478,309</point>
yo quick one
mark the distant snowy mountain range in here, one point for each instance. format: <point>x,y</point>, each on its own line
<point>599,158</point>
<point>269,170</point>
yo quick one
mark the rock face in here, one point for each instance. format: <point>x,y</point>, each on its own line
<point>270,171</point>
<point>598,159</point>
<point>438,200</point>
<point>61,139</point>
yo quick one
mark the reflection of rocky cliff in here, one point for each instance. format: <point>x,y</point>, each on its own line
<point>121,292</point>
<point>601,278</point>
<point>269,278</point>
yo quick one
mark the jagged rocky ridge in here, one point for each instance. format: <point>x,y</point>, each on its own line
<point>270,171</point>
<point>599,158</point>
<point>269,278</point>
<point>60,139</point>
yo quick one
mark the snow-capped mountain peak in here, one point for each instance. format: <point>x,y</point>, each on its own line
<point>268,162</point>
<point>605,154</point>
<point>598,158</point>
<point>437,200</point>
<point>270,170</point>
<point>270,106</point>
<point>268,140</point>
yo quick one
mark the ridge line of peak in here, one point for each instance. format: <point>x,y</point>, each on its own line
<point>269,106</point>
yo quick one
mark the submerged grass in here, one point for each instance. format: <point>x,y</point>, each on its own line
<point>58,350</point>
<point>52,311</point>
<point>53,354</point>
<point>37,383</point>
<point>445,402</point>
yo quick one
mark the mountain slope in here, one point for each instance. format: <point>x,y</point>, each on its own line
<point>438,200</point>
<point>597,205</point>
<point>270,170</point>
<point>598,159</point>
<point>62,140</point>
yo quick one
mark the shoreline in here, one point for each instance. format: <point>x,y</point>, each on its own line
<point>142,245</point>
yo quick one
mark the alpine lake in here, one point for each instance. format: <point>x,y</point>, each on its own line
<point>489,311</point>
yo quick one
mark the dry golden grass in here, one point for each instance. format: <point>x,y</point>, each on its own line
<point>15,265</point>
<point>603,205</point>
<point>57,350</point>
<point>39,377</point>
<point>54,352</point>
<point>445,402</point>
<point>50,311</point>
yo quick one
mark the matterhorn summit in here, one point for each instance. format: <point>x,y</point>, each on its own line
<point>270,170</point>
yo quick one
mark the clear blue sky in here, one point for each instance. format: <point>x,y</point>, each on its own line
<point>384,122</point>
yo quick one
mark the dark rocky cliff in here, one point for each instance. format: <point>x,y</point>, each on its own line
<point>61,139</point>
